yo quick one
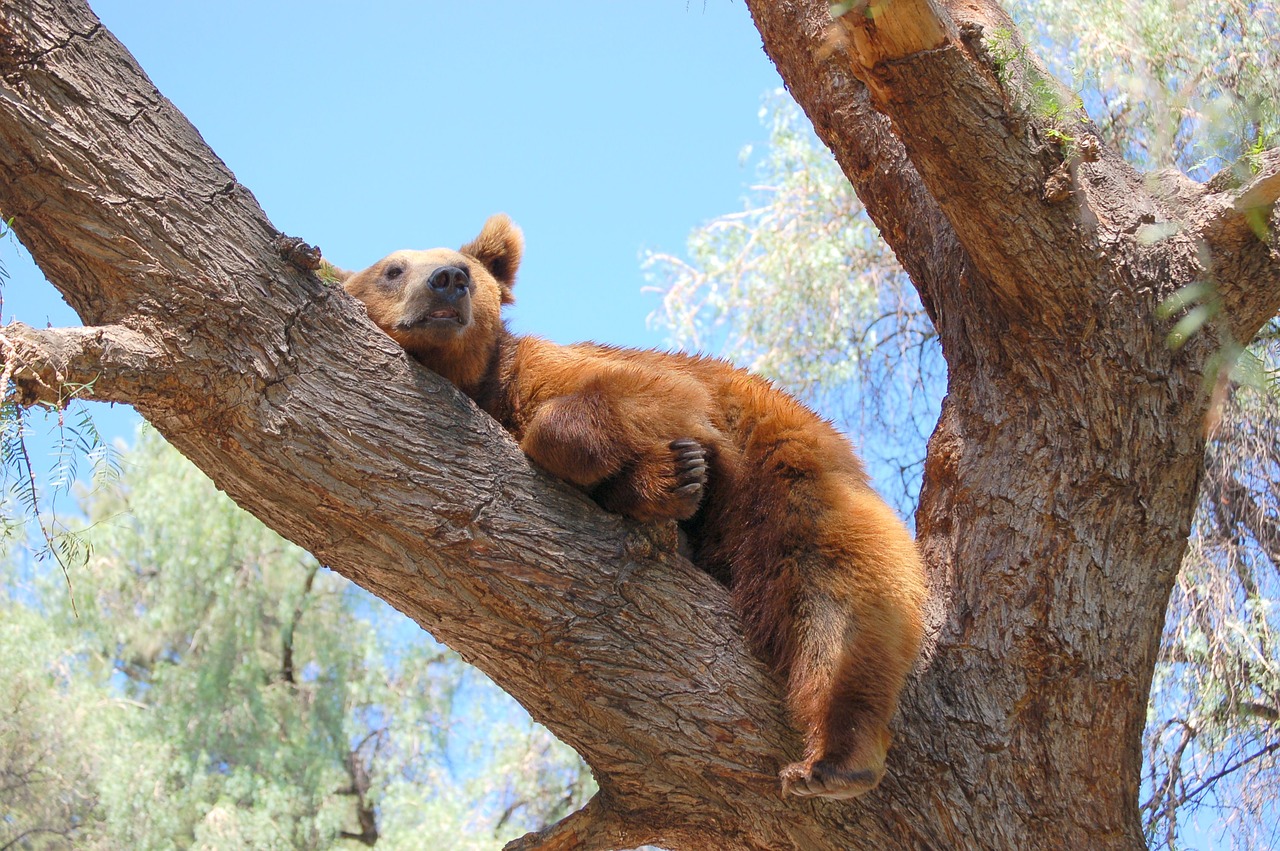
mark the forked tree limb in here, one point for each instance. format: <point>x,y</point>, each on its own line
<point>595,827</point>
<point>998,162</point>
<point>1001,145</point>
<point>1025,246</point>
<point>1238,228</point>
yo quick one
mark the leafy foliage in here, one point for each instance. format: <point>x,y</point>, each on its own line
<point>1187,84</point>
<point>221,689</point>
<point>1214,732</point>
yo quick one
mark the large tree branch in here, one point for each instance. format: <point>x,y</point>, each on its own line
<point>1014,164</point>
<point>995,176</point>
<point>798,38</point>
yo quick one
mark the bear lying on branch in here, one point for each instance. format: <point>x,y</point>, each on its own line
<point>773,500</point>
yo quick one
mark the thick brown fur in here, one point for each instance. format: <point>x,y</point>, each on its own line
<point>775,503</point>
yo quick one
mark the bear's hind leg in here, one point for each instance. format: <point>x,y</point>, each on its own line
<point>843,690</point>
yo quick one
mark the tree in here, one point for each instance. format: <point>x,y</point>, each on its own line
<point>217,668</point>
<point>1059,482</point>
<point>793,286</point>
<point>46,787</point>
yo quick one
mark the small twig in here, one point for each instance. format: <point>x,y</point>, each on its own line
<point>1213,778</point>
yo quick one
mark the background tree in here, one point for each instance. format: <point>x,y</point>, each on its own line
<point>219,689</point>
<point>46,776</point>
<point>1213,737</point>
<point>1058,488</point>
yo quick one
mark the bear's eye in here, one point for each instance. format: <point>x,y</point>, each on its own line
<point>393,272</point>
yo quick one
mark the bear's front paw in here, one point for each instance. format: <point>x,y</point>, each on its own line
<point>825,779</point>
<point>667,482</point>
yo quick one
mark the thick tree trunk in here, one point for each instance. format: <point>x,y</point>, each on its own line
<point>1058,488</point>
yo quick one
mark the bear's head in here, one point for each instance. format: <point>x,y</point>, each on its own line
<point>443,306</point>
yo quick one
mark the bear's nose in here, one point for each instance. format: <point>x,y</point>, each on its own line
<point>449,281</point>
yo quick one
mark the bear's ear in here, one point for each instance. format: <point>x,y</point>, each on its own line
<point>498,247</point>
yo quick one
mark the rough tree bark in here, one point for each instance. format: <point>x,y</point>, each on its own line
<point>1058,488</point>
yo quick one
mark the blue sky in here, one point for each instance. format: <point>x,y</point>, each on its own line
<point>603,128</point>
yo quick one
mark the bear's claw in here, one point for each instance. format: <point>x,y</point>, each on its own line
<point>691,469</point>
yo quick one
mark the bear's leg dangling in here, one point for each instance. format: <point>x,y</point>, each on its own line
<point>843,699</point>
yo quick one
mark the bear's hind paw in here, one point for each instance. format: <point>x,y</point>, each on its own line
<point>826,780</point>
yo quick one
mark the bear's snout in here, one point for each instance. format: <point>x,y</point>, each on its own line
<point>449,282</point>
<point>437,303</point>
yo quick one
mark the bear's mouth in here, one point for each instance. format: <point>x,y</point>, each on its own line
<point>437,316</point>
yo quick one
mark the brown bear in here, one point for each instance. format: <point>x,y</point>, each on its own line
<point>772,498</point>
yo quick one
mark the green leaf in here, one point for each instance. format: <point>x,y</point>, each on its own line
<point>1185,297</point>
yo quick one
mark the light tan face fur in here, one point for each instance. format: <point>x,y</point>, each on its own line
<point>424,299</point>
<point>439,301</point>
